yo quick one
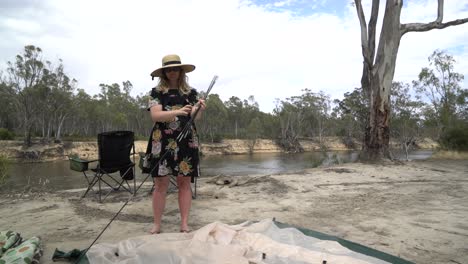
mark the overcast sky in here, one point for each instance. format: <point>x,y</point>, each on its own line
<point>268,49</point>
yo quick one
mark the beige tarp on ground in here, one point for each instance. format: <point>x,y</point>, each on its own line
<point>261,242</point>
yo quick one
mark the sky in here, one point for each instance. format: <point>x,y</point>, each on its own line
<point>269,49</point>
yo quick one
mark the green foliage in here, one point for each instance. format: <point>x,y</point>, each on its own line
<point>439,83</point>
<point>405,120</point>
<point>351,114</point>
<point>5,134</point>
<point>4,166</point>
<point>254,129</point>
<point>455,138</point>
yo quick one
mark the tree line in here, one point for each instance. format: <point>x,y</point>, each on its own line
<point>39,100</point>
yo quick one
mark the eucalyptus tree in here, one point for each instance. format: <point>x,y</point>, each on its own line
<point>463,102</point>
<point>250,112</point>
<point>215,119</point>
<point>254,130</point>
<point>317,108</point>
<point>23,76</point>
<point>270,125</point>
<point>109,107</point>
<point>235,109</point>
<point>379,67</point>
<point>440,84</point>
<point>351,112</point>
<point>405,117</point>
<point>59,98</point>
<point>291,115</point>
<point>83,119</point>
<point>7,116</point>
<point>142,116</point>
<point>301,116</point>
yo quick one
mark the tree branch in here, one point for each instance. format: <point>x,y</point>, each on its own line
<point>437,24</point>
<point>372,28</point>
<point>440,11</point>
<point>364,40</point>
<point>421,27</point>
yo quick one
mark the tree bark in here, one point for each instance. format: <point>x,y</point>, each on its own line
<point>377,135</point>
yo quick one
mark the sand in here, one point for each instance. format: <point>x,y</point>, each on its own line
<point>415,210</point>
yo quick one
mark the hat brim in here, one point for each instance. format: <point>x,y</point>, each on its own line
<point>187,68</point>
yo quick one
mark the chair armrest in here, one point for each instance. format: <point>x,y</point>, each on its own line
<point>78,164</point>
<point>78,159</point>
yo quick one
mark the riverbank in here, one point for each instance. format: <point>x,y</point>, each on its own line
<point>415,210</point>
<point>15,150</point>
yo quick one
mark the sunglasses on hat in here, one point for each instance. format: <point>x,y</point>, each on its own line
<point>171,69</point>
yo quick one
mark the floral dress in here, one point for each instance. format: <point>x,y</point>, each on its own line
<point>182,157</point>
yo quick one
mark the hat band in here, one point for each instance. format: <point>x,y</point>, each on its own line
<point>171,62</point>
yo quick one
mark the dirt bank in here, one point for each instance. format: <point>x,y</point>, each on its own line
<point>59,151</point>
<point>415,210</point>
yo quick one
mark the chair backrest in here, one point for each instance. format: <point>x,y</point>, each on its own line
<point>114,149</point>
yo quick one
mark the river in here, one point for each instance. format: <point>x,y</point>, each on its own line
<point>57,175</point>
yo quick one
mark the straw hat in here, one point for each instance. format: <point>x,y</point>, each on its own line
<point>172,60</point>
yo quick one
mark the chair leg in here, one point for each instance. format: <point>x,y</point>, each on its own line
<point>173,181</point>
<point>99,194</point>
<point>141,184</point>
<point>91,185</point>
<point>194,191</point>
<point>134,181</point>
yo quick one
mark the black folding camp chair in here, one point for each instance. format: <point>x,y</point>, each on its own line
<point>116,151</point>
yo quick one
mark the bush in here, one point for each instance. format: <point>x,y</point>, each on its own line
<point>5,134</point>
<point>455,138</point>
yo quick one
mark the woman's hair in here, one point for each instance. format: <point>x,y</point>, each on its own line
<point>184,87</point>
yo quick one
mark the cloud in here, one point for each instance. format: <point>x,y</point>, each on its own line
<point>255,50</point>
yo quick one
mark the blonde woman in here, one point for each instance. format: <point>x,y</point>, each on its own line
<point>172,103</point>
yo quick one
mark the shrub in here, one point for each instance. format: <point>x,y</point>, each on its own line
<point>455,138</point>
<point>6,134</point>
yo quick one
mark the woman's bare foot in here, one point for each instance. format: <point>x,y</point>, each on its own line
<point>155,230</point>
<point>185,229</point>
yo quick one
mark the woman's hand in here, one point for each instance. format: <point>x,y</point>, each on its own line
<point>201,104</point>
<point>185,111</point>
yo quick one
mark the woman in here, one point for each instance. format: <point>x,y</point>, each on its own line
<point>172,104</point>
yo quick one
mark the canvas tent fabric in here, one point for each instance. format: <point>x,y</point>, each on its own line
<point>261,242</point>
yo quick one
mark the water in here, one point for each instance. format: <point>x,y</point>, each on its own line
<point>57,175</point>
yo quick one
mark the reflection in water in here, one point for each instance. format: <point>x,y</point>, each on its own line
<point>271,163</point>
<point>58,176</point>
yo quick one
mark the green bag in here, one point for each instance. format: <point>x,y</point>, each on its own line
<point>28,252</point>
<point>78,164</point>
<point>8,239</point>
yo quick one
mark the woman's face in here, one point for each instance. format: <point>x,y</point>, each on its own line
<point>172,73</point>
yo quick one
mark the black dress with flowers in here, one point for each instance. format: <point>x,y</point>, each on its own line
<point>182,157</point>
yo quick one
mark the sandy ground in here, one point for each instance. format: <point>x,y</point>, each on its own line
<point>416,210</point>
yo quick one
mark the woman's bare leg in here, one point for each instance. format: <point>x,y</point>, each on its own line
<point>159,201</point>
<point>185,201</point>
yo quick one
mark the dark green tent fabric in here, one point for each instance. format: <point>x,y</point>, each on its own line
<point>72,256</point>
<point>348,244</point>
